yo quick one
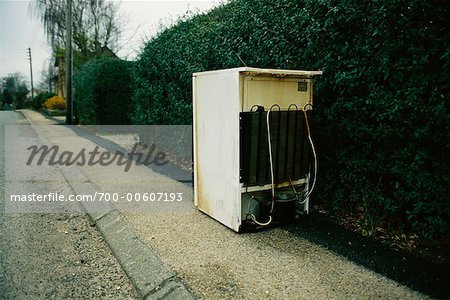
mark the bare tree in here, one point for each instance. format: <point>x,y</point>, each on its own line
<point>96,24</point>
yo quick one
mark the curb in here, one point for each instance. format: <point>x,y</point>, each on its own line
<point>151,278</point>
<point>144,268</point>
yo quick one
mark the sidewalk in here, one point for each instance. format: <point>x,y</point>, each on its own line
<point>150,276</point>
<point>164,250</point>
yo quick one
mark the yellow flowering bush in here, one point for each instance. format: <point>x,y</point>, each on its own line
<point>55,102</point>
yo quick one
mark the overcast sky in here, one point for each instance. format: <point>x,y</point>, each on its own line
<point>19,30</point>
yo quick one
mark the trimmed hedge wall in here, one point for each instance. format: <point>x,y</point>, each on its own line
<point>103,89</point>
<point>41,98</point>
<point>382,121</point>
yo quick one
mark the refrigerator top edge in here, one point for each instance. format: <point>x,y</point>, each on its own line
<point>261,72</point>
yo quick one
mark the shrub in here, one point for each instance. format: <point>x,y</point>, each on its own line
<point>55,102</point>
<point>382,121</point>
<point>103,92</point>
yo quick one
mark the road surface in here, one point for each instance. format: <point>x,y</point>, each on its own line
<point>53,256</point>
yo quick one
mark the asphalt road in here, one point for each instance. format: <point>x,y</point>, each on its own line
<point>53,256</point>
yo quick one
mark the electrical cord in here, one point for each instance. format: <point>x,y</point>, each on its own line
<point>271,170</point>
<point>297,193</point>
<point>269,140</point>
<point>314,153</point>
<point>272,177</point>
<point>252,216</point>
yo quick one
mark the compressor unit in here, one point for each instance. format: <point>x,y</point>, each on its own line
<point>253,152</point>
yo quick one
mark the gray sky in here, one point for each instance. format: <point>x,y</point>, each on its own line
<point>20,30</point>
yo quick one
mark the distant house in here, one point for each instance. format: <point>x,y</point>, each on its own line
<point>36,92</point>
<point>59,77</point>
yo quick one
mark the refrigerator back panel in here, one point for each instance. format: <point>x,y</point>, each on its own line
<point>266,91</point>
<point>290,147</point>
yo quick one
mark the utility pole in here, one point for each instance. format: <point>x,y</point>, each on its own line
<point>50,76</point>
<point>69,64</point>
<point>31,73</point>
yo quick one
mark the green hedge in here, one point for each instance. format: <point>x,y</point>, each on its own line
<point>382,120</point>
<point>103,90</point>
<point>41,98</point>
